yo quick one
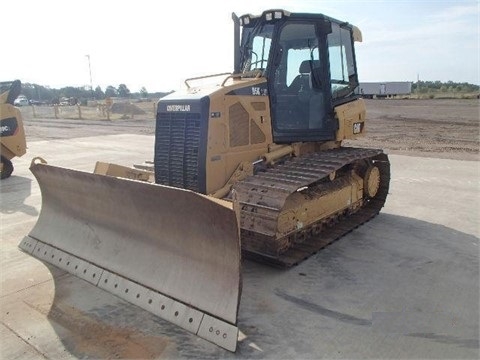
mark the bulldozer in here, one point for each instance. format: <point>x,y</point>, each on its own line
<point>249,163</point>
<point>12,134</point>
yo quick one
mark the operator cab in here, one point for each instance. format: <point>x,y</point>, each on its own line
<point>309,61</point>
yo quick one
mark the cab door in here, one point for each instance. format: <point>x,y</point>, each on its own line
<point>299,84</point>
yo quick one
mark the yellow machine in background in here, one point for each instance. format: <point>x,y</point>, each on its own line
<point>12,134</point>
<point>253,164</point>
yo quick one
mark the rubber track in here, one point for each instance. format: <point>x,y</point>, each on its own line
<point>282,181</point>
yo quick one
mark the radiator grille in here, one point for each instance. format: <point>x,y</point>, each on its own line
<point>176,149</point>
<point>238,125</point>
<point>256,134</point>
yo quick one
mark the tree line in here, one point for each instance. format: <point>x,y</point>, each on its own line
<point>46,94</point>
<point>444,87</point>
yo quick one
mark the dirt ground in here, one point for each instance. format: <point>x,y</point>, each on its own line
<point>441,128</point>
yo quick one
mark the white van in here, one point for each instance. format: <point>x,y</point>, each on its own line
<point>21,101</point>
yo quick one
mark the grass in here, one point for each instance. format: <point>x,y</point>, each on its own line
<point>443,95</point>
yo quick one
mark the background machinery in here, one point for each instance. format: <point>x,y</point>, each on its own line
<point>252,164</point>
<point>12,134</point>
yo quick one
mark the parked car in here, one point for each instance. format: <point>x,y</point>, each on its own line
<point>68,101</point>
<point>21,101</point>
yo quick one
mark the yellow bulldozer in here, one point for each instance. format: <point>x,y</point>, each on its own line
<point>12,134</point>
<point>251,164</point>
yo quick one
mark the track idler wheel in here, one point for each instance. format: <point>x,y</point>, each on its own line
<point>6,168</point>
<point>371,181</point>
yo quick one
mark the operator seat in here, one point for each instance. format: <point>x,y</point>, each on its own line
<point>310,99</point>
<point>301,81</point>
<point>306,68</point>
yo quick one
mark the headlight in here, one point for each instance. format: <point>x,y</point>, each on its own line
<point>275,14</point>
<point>245,20</point>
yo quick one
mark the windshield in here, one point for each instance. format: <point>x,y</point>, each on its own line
<point>255,48</point>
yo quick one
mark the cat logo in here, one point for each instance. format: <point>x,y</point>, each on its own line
<point>357,128</point>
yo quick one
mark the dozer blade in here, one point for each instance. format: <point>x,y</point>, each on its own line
<point>173,252</point>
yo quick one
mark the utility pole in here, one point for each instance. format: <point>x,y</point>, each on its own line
<point>90,71</point>
<point>418,85</point>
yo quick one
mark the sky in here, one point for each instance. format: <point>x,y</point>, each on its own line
<point>158,44</point>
